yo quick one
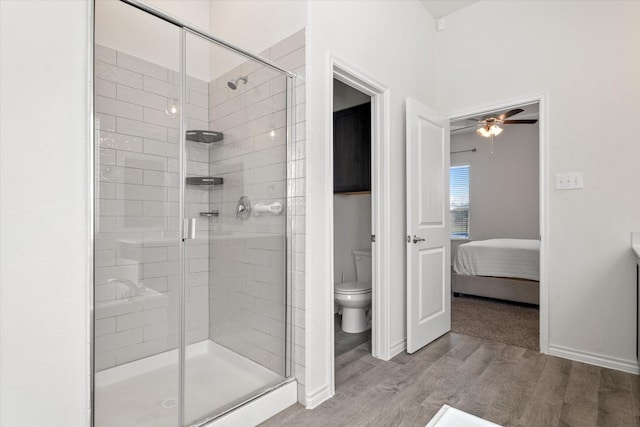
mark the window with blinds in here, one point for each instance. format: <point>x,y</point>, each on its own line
<point>459,201</point>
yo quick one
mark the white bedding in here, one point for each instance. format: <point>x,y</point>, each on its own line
<point>516,258</point>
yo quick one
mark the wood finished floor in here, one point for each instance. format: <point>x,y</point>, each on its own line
<point>511,386</point>
<point>344,342</point>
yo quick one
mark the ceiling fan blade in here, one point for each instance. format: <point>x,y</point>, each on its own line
<point>515,122</point>
<point>510,113</point>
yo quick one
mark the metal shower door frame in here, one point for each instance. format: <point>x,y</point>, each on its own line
<point>186,29</point>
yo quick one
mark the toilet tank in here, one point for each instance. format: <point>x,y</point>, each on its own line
<point>363,265</point>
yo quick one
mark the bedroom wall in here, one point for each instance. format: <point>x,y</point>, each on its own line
<point>504,187</point>
<point>562,49</point>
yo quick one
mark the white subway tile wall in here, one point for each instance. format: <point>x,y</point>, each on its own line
<point>248,296</point>
<point>137,239</point>
<point>235,269</point>
<point>292,52</point>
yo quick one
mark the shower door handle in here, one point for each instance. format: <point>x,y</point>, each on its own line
<point>189,229</point>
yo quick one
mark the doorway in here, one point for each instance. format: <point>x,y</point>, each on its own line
<point>352,242</point>
<point>498,202</point>
<point>380,226</point>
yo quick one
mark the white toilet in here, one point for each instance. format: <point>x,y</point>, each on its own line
<point>355,297</point>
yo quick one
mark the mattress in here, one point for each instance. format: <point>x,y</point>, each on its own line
<point>515,258</point>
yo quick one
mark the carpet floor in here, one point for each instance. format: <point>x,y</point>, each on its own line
<point>503,322</point>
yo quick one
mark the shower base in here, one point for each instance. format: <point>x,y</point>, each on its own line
<point>145,392</point>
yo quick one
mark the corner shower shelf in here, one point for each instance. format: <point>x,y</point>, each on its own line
<point>204,180</point>
<point>204,136</point>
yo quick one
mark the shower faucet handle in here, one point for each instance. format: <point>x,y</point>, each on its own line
<point>243,208</point>
<point>239,210</point>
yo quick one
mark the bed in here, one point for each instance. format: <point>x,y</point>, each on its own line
<point>507,269</point>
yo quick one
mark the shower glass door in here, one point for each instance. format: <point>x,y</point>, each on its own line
<point>235,197</point>
<point>138,220</point>
<point>190,241</point>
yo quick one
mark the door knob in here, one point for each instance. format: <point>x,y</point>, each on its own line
<point>417,239</point>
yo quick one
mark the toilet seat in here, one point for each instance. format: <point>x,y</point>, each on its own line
<point>353,288</point>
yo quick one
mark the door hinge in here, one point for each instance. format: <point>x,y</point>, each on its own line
<point>373,238</point>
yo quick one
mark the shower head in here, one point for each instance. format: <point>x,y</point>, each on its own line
<point>233,83</point>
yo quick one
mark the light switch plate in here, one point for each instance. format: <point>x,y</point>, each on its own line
<point>569,181</point>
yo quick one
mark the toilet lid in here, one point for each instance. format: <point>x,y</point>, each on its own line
<point>353,287</point>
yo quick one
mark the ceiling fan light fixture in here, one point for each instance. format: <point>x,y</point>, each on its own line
<point>484,132</point>
<point>489,131</point>
<point>495,130</point>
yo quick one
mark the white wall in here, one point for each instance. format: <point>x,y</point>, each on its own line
<point>44,282</point>
<point>391,42</point>
<point>584,56</point>
<point>352,231</point>
<point>254,25</point>
<point>504,196</point>
<point>126,29</point>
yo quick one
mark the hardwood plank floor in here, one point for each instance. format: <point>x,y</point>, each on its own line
<point>508,385</point>
<point>343,341</point>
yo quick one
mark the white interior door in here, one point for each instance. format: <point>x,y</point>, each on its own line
<point>428,235</point>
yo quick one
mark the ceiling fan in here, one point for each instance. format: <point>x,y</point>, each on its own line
<point>488,126</point>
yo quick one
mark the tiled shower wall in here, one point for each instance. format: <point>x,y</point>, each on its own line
<point>247,288</point>
<point>241,303</point>
<point>137,207</point>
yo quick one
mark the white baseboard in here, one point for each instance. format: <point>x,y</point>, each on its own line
<point>318,397</point>
<point>302,396</point>
<point>624,365</point>
<point>397,348</point>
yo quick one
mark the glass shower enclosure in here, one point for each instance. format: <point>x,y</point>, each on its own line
<point>190,311</point>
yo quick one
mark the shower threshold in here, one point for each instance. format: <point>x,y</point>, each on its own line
<point>144,392</point>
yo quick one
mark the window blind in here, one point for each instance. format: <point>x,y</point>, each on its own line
<point>459,201</point>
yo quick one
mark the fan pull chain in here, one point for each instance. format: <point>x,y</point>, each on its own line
<point>491,155</point>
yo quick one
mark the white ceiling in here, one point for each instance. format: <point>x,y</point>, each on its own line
<point>440,8</point>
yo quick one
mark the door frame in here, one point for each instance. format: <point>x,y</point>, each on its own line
<point>543,169</point>
<point>380,208</point>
